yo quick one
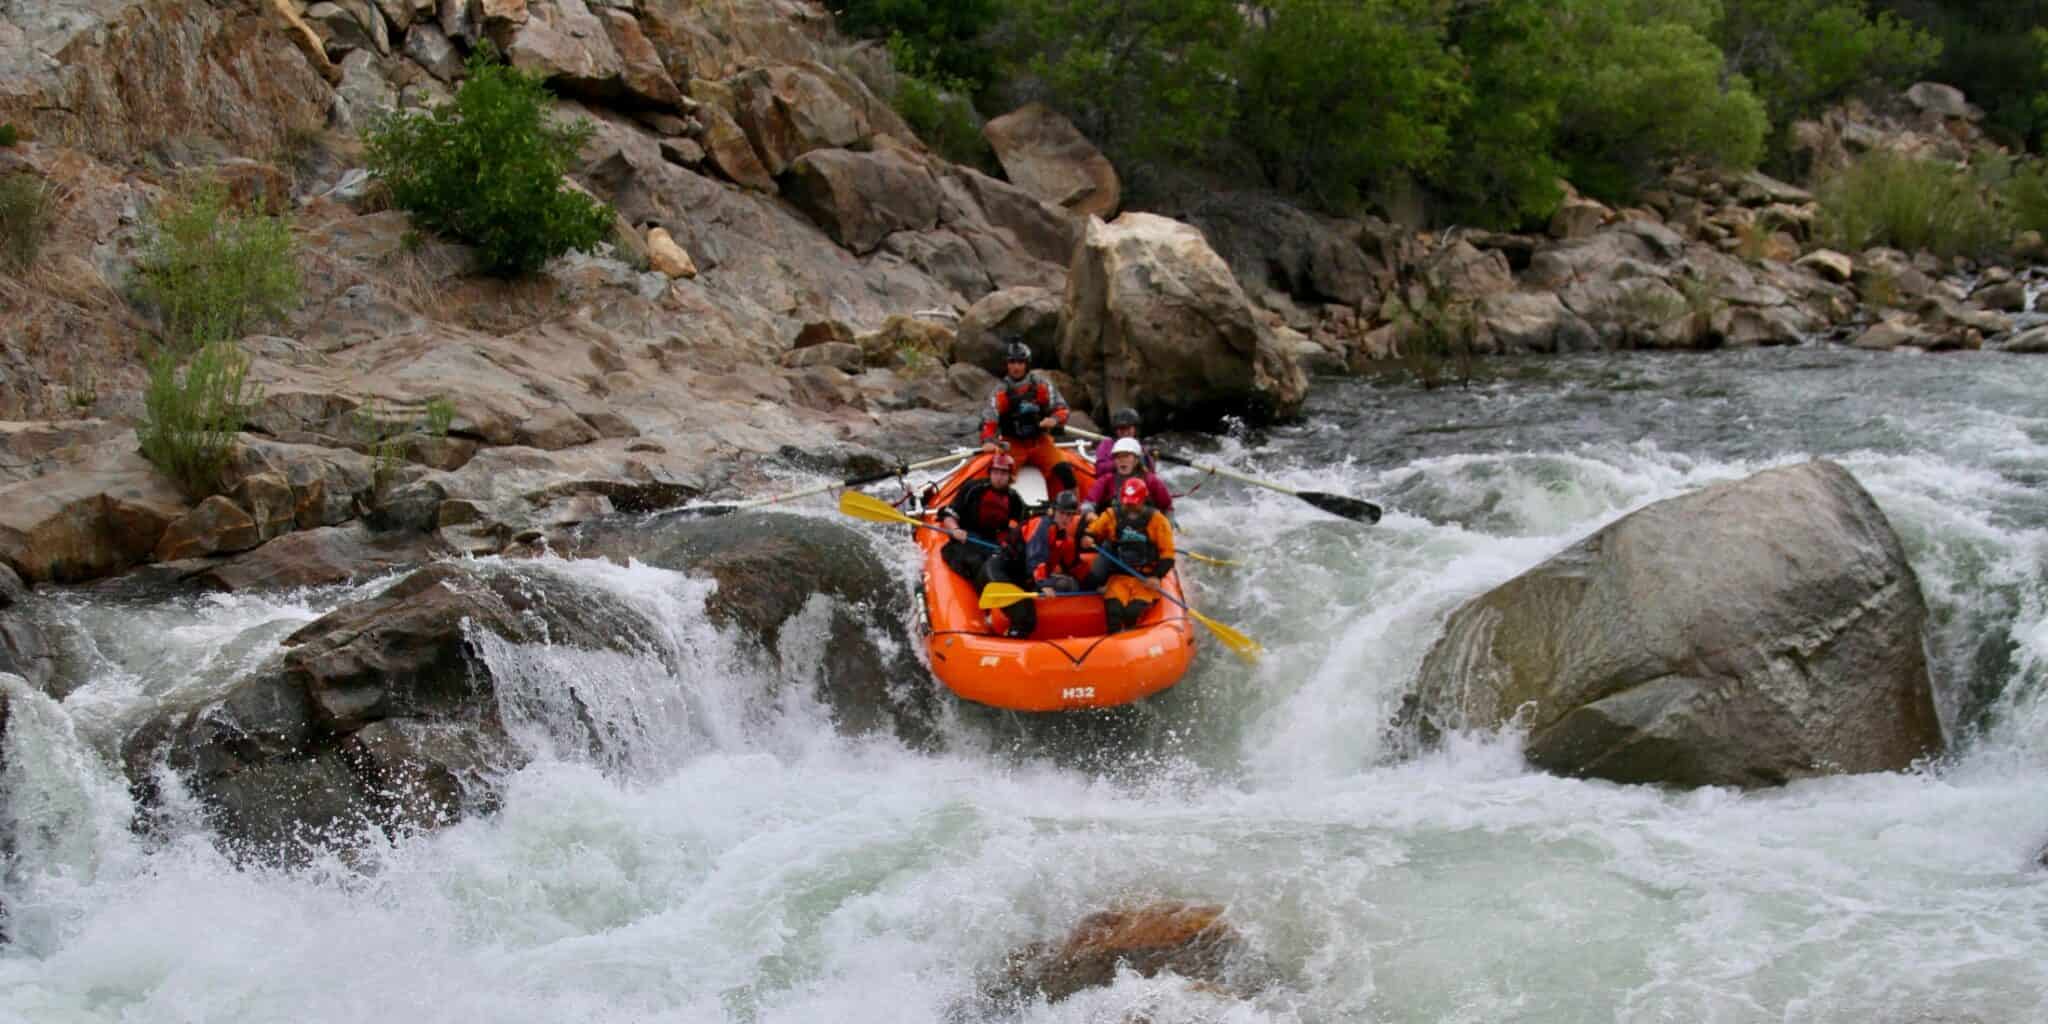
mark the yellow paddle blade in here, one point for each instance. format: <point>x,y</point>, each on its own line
<point>1246,647</point>
<point>1003,595</point>
<point>861,506</point>
<point>1210,559</point>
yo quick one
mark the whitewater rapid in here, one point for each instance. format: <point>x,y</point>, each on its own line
<point>726,855</point>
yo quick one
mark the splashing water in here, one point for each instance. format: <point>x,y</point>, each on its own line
<point>691,840</point>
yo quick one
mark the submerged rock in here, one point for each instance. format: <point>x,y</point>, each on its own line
<point>772,568</point>
<point>1188,939</point>
<point>1754,632</point>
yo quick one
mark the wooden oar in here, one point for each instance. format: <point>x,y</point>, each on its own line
<point>1003,595</point>
<point>1336,504</point>
<point>858,481</point>
<point>875,510</point>
<point>1246,647</point>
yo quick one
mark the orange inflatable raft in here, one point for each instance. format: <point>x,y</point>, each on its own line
<point>1067,663</point>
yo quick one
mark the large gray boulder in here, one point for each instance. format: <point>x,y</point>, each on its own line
<point>1029,315</point>
<point>860,198</point>
<point>1273,245</point>
<point>1154,320</point>
<point>1751,633</point>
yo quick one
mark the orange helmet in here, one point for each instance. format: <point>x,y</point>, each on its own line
<point>1003,461</point>
<point>1135,492</point>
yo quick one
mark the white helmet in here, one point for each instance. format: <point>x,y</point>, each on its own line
<point>1127,444</point>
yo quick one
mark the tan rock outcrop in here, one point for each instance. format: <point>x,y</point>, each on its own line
<point>93,511</point>
<point>860,198</point>
<point>666,256</point>
<point>1043,153</point>
<point>1154,314</point>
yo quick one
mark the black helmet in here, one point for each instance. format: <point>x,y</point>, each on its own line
<point>1124,417</point>
<point>1066,501</point>
<point>1017,351</point>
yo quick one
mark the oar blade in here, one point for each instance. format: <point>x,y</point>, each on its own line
<point>1342,505</point>
<point>861,506</point>
<point>1245,647</point>
<point>1003,595</point>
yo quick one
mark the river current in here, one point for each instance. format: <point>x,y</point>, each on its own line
<point>726,855</point>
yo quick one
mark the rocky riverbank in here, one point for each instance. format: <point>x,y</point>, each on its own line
<point>792,273</point>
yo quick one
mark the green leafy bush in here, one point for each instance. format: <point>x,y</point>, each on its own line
<point>212,272</point>
<point>26,209</point>
<point>1804,54</point>
<point>1335,95</point>
<point>1645,95</point>
<point>1505,174</point>
<point>1996,52</point>
<point>9,135</point>
<point>1605,93</point>
<point>936,106</point>
<point>487,169</point>
<point>1147,80</point>
<point>1886,198</point>
<point>946,33</point>
<point>190,419</point>
<point>440,416</point>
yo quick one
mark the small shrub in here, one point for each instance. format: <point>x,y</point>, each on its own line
<point>190,419</point>
<point>212,272</point>
<point>1889,199</point>
<point>382,441</point>
<point>9,135</point>
<point>26,209</point>
<point>2025,193</point>
<point>1439,344</point>
<point>1752,241</point>
<point>440,416</point>
<point>1703,301</point>
<point>487,169</point>
<point>81,388</point>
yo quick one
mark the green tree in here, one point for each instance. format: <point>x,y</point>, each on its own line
<point>1804,54</point>
<point>1645,94</point>
<point>947,34</point>
<point>1335,93</point>
<point>937,106</point>
<point>1991,50</point>
<point>1149,80</point>
<point>1602,92</point>
<point>487,169</point>
<point>1505,173</point>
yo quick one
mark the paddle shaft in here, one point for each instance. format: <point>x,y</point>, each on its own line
<point>1175,460</point>
<point>855,481</point>
<point>1335,504</point>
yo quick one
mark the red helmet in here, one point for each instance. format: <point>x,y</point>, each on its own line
<point>1135,492</point>
<point>1003,461</point>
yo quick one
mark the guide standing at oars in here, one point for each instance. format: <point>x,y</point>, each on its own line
<point>1021,414</point>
